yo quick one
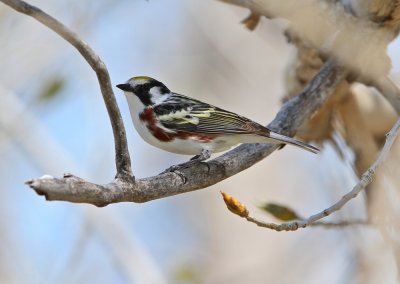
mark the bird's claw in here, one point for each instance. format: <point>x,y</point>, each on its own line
<point>178,167</point>
<point>176,170</point>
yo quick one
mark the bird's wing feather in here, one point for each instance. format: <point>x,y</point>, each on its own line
<point>180,113</point>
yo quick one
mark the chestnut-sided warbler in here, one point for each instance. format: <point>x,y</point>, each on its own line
<point>183,125</point>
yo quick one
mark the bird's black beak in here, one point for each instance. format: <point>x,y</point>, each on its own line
<point>124,87</point>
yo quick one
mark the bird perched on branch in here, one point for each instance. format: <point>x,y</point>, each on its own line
<point>183,125</point>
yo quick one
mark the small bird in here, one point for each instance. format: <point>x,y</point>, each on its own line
<point>187,126</point>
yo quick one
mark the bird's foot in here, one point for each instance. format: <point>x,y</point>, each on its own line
<point>204,155</point>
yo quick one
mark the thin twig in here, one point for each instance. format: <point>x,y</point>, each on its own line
<point>122,159</point>
<point>280,227</point>
<point>365,180</point>
<point>340,224</point>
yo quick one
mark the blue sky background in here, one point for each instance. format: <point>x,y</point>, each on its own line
<point>196,48</point>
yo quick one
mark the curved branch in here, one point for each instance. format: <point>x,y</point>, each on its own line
<point>125,188</point>
<point>122,159</point>
<point>292,114</point>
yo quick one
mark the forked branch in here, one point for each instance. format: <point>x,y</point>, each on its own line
<point>125,189</point>
<point>292,114</point>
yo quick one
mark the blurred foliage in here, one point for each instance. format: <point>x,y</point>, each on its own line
<point>252,21</point>
<point>280,212</point>
<point>51,89</point>
<point>185,274</point>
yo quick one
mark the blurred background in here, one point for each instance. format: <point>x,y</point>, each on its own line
<point>53,120</point>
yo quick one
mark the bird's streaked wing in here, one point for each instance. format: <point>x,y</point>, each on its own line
<point>181,113</point>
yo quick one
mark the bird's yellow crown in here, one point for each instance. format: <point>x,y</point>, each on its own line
<point>141,78</point>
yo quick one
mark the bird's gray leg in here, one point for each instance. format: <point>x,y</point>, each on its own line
<point>204,155</point>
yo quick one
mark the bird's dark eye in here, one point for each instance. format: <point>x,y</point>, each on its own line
<point>188,116</point>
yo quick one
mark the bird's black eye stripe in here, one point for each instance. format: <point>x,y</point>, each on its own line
<point>143,88</point>
<point>147,86</point>
<point>142,91</point>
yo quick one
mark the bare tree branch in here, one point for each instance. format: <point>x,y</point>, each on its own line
<point>122,158</point>
<point>292,114</point>
<point>123,188</point>
<point>365,180</point>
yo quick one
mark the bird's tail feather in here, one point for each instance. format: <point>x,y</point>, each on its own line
<point>291,141</point>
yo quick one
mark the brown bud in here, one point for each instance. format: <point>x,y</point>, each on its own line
<point>234,205</point>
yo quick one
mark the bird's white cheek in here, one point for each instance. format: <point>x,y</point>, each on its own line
<point>135,105</point>
<point>157,96</point>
